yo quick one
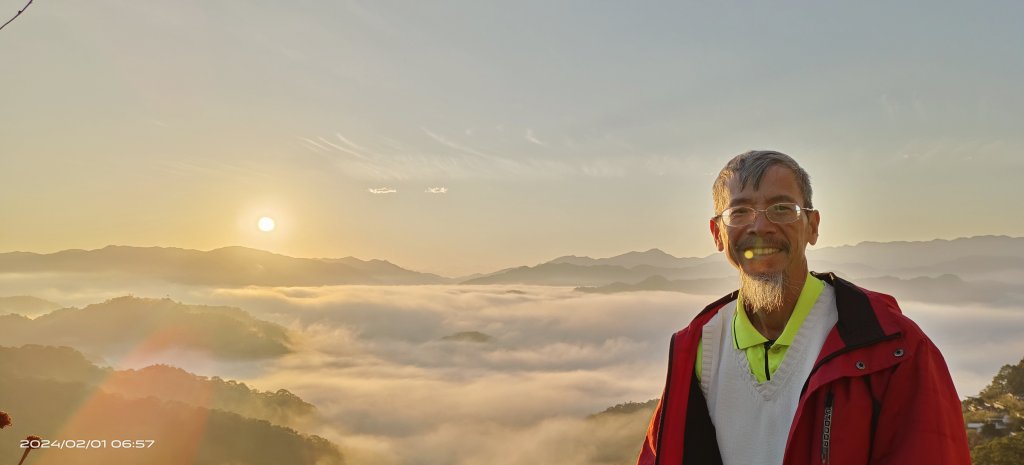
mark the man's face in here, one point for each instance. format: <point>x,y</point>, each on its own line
<point>763,247</point>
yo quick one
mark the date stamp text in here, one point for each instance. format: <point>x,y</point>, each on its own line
<point>87,443</point>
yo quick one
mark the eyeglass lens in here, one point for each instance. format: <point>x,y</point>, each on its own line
<point>779,213</point>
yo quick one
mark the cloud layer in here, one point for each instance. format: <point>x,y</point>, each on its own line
<point>374,361</point>
<point>393,389</point>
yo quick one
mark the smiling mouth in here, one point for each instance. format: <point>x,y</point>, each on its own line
<point>756,252</point>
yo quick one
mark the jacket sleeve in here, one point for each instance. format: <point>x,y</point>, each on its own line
<point>649,450</point>
<point>920,419</point>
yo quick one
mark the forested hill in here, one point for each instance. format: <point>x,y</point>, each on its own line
<point>132,324</point>
<point>57,394</point>
<point>995,419</point>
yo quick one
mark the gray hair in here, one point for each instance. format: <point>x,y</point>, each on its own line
<point>751,166</point>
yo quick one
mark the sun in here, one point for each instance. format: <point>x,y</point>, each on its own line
<point>266,224</point>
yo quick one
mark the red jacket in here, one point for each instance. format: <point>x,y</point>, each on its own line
<point>879,393</point>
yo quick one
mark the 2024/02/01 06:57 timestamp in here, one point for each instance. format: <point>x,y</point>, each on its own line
<point>87,443</point>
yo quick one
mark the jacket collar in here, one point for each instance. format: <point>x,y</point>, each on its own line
<point>858,323</point>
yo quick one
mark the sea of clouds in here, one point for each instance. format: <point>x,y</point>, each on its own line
<point>392,390</point>
<point>375,361</point>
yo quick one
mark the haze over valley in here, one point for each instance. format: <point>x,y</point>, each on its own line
<point>423,369</point>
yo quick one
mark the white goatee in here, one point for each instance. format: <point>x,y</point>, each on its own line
<point>762,292</point>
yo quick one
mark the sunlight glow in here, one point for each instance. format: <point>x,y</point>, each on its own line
<point>266,224</point>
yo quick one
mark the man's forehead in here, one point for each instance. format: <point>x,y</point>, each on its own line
<point>778,184</point>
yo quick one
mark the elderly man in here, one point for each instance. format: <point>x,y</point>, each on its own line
<point>797,367</point>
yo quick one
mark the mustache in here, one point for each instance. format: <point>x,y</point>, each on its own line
<point>750,242</point>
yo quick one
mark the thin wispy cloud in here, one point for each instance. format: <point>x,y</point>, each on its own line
<point>386,159</point>
<point>382,190</point>
<point>310,143</point>
<point>463,148</point>
<point>393,144</point>
<point>343,149</point>
<point>487,164</point>
<point>358,160</point>
<point>378,158</point>
<point>349,143</point>
<point>436,190</point>
<point>533,138</point>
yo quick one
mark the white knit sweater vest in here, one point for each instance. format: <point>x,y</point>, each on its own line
<point>752,419</point>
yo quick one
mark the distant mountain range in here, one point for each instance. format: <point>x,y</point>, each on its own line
<point>926,255</point>
<point>654,257</point>
<point>26,305</point>
<point>228,266</point>
<point>981,258</point>
<point>999,258</point>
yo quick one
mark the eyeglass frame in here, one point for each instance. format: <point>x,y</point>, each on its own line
<point>799,212</point>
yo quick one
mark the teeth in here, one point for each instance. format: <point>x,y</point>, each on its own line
<point>762,251</point>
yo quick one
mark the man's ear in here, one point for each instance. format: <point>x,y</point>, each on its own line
<point>716,234</point>
<point>812,226</point>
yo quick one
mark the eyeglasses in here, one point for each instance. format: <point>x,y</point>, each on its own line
<point>780,213</point>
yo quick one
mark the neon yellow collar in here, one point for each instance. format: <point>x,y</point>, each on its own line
<point>747,335</point>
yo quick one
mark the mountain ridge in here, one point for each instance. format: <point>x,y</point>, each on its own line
<point>150,326</point>
<point>244,266</point>
<point>978,254</point>
<point>225,266</point>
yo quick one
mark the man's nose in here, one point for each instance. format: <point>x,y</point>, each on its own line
<point>761,223</point>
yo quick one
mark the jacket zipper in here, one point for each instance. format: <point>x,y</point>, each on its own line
<point>826,430</point>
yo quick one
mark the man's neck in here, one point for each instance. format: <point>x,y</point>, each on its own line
<point>770,324</point>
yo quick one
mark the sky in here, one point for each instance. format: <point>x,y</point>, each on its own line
<point>466,136</point>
